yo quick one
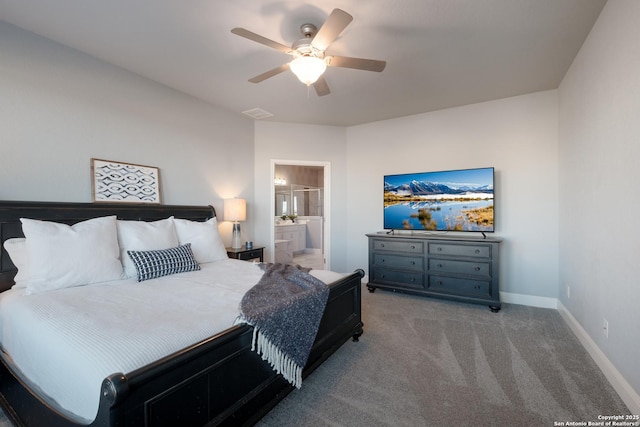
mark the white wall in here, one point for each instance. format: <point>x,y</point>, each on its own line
<point>282,141</point>
<point>599,134</point>
<point>59,108</point>
<point>518,136</point>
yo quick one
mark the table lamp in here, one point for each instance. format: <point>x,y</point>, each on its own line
<point>235,210</point>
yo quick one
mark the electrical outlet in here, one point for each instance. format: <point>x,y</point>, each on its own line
<point>605,328</point>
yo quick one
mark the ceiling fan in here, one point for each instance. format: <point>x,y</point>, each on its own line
<point>310,61</point>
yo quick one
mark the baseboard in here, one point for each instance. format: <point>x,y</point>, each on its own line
<point>530,300</point>
<point>628,395</point>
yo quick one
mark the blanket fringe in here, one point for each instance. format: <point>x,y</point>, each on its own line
<point>279,361</point>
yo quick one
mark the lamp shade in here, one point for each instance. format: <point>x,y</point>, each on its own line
<point>235,210</point>
<point>308,69</point>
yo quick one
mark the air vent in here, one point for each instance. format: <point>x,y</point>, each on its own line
<point>258,113</point>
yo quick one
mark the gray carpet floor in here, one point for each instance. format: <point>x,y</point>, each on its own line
<point>427,362</point>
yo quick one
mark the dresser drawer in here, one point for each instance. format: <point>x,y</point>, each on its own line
<point>474,251</point>
<point>251,254</point>
<point>398,261</point>
<point>406,246</point>
<point>482,269</point>
<point>406,279</point>
<point>457,286</point>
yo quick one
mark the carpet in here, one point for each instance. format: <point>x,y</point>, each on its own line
<point>428,362</point>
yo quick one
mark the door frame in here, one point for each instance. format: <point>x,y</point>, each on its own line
<point>326,204</point>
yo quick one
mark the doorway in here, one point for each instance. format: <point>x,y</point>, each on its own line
<point>301,212</point>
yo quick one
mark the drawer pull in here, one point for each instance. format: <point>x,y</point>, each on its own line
<point>413,263</point>
<point>439,249</point>
<point>477,268</point>
<point>477,251</point>
<point>440,266</point>
<point>413,246</point>
<point>382,245</point>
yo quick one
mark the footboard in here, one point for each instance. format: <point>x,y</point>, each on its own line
<point>219,381</point>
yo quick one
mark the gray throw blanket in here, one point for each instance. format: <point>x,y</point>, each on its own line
<point>285,308</point>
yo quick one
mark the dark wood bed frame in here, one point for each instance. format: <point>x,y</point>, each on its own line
<point>218,381</point>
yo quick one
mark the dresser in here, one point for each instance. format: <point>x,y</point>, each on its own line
<point>457,268</point>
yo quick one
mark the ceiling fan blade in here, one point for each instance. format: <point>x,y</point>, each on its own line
<point>270,73</point>
<point>357,63</point>
<point>331,29</point>
<point>262,40</point>
<point>321,87</point>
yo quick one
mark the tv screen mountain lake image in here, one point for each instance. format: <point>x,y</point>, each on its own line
<point>459,200</point>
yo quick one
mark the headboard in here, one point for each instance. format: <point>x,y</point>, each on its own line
<point>71,213</point>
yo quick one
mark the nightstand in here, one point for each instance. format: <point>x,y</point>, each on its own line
<point>244,254</point>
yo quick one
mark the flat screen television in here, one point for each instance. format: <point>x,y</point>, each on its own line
<point>453,200</point>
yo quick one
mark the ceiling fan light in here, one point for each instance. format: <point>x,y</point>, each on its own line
<point>308,69</point>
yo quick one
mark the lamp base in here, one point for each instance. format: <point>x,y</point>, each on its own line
<point>236,240</point>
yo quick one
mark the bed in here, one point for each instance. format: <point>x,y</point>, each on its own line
<point>217,380</point>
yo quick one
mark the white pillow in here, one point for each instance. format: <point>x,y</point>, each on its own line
<point>17,250</point>
<point>204,237</point>
<point>61,256</point>
<point>144,236</point>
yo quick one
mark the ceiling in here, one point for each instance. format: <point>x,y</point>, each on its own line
<point>439,53</point>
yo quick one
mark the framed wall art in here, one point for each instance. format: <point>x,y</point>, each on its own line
<point>124,182</point>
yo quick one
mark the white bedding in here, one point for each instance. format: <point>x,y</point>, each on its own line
<point>89,332</point>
